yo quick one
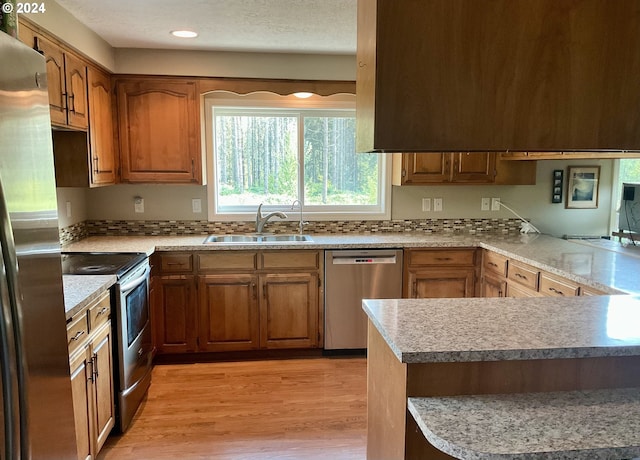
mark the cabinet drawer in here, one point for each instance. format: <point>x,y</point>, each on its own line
<point>226,260</point>
<point>442,257</point>
<point>584,290</point>
<point>100,312</point>
<point>516,290</point>
<point>552,286</point>
<point>291,259</point>
<point>176,263</point>
<point>77,331</point>
<point>494,263</point>
<point>523,274</point>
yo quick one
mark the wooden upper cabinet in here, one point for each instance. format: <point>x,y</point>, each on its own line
<point>102,148</point>
<point>159,130</point>
<point>67,84</point>
<point>500,75</point>
<point>459,168</point>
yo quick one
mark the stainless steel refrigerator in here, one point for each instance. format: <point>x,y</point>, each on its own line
<point>37,408</point>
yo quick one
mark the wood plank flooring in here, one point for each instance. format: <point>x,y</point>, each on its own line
<point>253,410</point>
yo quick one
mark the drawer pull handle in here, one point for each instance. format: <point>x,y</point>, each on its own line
<point>103,311</point>
<point>176,263</point>
<point>518,275</point>
<point>443,258</point>
<point>492,264</point>
<point>552,289</point>
<point>77,336</point>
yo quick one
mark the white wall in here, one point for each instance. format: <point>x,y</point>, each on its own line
<point>530,201</point>
<point>168,202</point>
<point>229,64</point>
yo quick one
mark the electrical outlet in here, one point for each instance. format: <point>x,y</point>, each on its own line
<point>437,204</point>
<point>495,204</point>
<point>426,204</point>
<point>138,204</point>
<point>196,205</point>
<point>485,204</point>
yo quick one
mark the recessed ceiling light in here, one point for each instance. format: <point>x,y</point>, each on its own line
<point>184,33</point>
<point>303,95</point>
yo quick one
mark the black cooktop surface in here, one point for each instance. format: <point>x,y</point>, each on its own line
<point>100,263</point>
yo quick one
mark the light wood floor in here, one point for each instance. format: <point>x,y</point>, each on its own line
<point>253,410</point>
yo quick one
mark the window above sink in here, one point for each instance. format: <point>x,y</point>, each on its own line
<point>271,149</point>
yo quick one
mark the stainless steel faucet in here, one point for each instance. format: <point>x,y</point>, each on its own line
<point>293,206</point>
<point>262,220</point>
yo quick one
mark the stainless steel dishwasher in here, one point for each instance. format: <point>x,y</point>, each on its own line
<point>350,276</point>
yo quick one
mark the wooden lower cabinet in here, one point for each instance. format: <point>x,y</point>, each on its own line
<point>228,312</point>
<point>439,273</point>
<point>289,310</point>
<point>493,286</point>
<point>439,283</point>
<point>237,301</point>
<point>92,387</point>
<point>174,310</point>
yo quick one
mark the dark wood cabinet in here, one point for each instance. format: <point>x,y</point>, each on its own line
<point>444,75</point>
<point>159,130</point>
<point>102,147</point>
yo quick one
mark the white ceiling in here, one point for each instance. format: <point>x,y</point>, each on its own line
<point>281,26</point>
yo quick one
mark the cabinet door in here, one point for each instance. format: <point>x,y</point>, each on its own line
<point>473,167</point>
<point>289,311</point>
<point>228,312</point>
<point>81,376</point>
<point>493,286</point>
<point>102,359</point>
<point>54,59</point>
<point>158,124</point>
<point>439,283</point>
<point>175,315</point>
<point>426,168</point>
<point>76,87</point>
<point>101,141</point>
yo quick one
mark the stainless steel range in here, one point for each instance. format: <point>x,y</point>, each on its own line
<point>133,348</point>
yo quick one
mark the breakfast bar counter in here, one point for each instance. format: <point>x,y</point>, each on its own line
<point>422,348</point>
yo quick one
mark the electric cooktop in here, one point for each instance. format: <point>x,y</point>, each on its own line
<point>100,263</point>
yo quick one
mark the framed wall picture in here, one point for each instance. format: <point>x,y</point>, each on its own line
<point>582,187</point>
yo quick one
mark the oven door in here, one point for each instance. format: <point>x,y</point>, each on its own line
<point>134,327</point>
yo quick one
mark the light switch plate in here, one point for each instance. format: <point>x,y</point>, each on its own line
<point>196,205</point>
<point>426,204</point>
<point>138,204</point>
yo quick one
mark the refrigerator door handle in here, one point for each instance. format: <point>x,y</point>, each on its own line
<point>12,313</point>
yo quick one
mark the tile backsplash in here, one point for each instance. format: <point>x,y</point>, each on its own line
<point>201,227</point>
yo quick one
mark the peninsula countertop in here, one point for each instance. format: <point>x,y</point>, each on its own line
<point>610,271</point>
<point>481,329</point>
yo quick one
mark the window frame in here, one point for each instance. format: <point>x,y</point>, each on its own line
<point>264,102</point>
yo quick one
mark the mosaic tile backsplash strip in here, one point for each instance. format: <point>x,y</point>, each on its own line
<point>199,227</point>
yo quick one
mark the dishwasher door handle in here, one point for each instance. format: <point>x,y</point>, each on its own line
<point>363,260</point>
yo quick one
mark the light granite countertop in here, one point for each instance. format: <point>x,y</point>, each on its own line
<point>606,270</point>
<point>598,425</point>
<point>81,290</point>
<point>478,329</point>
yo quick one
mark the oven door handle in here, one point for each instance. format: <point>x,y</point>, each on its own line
<point>131,285</point>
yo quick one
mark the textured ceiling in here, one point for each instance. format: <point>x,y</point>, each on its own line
<point>281,26</point>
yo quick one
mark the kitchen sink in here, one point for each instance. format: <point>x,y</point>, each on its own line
<point>256,238</point>
<point>268,238</point>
